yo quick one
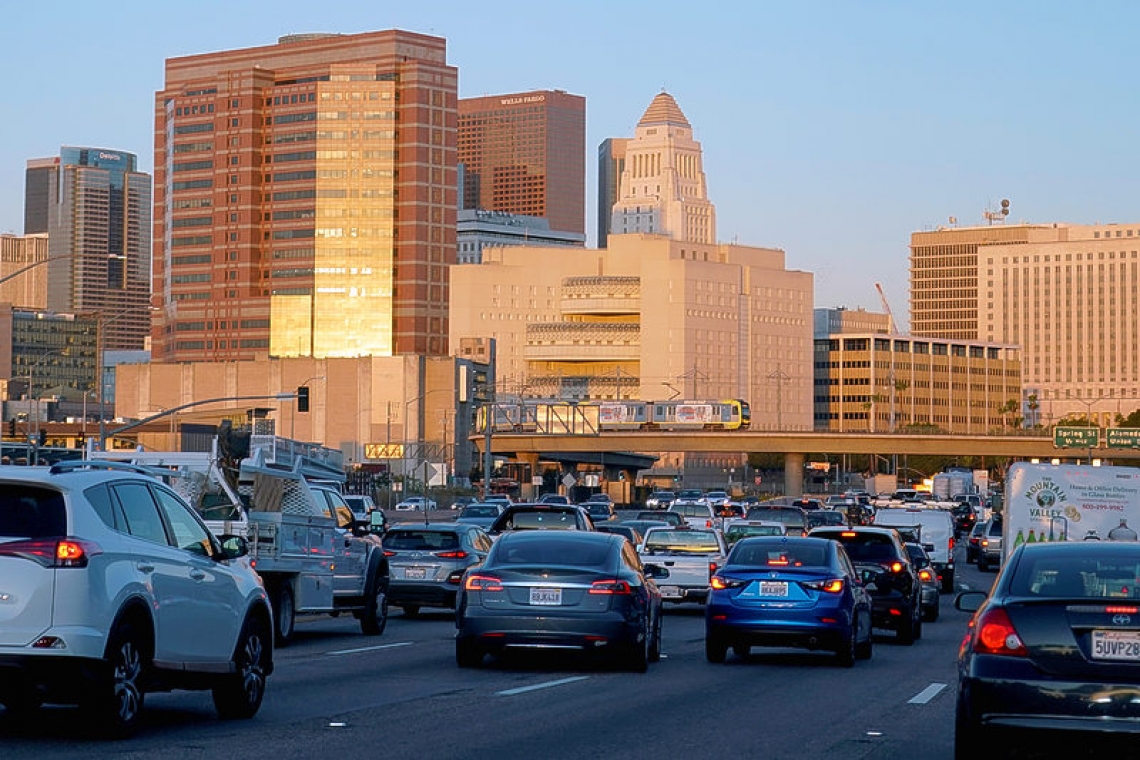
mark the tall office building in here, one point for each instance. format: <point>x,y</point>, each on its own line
<point>525,153</point>
<point>305,197</point>
<point>662,190</point>
<point>26,254</point>
<point>1066,294</point>
<point>611,164</point>
<point>97,208</point>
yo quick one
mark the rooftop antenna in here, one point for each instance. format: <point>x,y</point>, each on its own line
<point>997,216</point>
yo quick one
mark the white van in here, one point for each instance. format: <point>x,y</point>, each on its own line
<point>936,536</point>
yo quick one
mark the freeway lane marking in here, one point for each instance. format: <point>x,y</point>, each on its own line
<point>927,694</point>
<point>371,649</point>
<point>535,687</point>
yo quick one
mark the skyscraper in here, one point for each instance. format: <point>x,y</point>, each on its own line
<point>96,205</point>
<point>525,153</point>
<point>305,197</point>
<point>662,190</point>
<point>611,164</point>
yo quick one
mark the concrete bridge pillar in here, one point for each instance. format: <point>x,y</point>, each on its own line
<point>794,475</point>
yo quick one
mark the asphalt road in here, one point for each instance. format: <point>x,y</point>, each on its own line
<point>338,694</point>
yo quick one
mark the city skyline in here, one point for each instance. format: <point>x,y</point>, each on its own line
<point>830,131</point>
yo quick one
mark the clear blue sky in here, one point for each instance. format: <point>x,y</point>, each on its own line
<point>830,129</point>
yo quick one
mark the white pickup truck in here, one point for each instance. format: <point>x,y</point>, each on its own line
<point>690,557</point>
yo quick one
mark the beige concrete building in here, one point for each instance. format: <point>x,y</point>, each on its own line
<point>27,290</point>
<point>875,382</point>
<point>648,318</point>
<point>1067,294</point>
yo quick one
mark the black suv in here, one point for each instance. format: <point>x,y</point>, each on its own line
<point>965,517</point>
<point>541,517</point>
<point>888,575</point>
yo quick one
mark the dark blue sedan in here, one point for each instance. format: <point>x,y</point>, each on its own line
<point>788,592</point>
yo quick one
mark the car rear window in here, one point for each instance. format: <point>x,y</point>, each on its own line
<point>546,519</point>
<point>480,512</point>
<point>866,547</point>
<point>682,541</point>
<point>1108,577</point>
<point>420,540</point>
<point>552,552</point>
<point>766,554</point>
<point>31,512</point>
<point>786,516</point>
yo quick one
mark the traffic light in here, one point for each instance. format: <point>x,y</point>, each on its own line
<point>303,398</point>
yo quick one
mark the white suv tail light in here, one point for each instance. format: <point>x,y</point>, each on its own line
<point>52,552</point>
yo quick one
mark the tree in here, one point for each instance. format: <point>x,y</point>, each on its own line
<point>1033,403</point>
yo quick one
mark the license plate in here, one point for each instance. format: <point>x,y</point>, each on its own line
<point>670,592</point>
<point>415,573</point>
<point>773,588</point>
<point>1116,645</point>
<point>549,597</point>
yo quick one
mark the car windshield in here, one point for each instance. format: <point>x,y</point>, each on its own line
<point>1110,575</point>
<point>690,510</point>
<point>918,556</point>
<point>420,540</point>
<point>30,512</point>
<point>737,532</point>
<point>696,541</point>
<point>770,554</point>
<point>574,553</point>
<point>786,516</point>
<point>691,493</point>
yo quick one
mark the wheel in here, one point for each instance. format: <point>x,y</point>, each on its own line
<point>655,645</point>
<point>918,624</point>
<point>411,610</point>
<point>948,582</point>
<point>906,631</point>
<point>117,702</point>
<point>930,615</point>
<point>467,655</point>
<point>983,564</point>
<point>374,619</point>
<point>638,661</point>
<point>238,695</point>
<point>971,740</point>
<point>284,614</point>
<point>741,650</point>
<point>845,655</point>
<point>863,650</point>
<point>716,650</point>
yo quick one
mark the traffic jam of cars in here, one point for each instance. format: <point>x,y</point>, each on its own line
<point>1054,645</point>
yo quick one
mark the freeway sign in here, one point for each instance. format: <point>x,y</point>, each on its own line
<point>1123,438</point>
<point>1076,437</point>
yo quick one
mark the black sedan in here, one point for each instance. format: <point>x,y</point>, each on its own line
<point>1053,649</point>
<point>568,590</point>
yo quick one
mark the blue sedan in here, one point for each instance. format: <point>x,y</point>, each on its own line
<point>788,592</point>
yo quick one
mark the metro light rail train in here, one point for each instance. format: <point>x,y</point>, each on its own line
<point>553,416</point>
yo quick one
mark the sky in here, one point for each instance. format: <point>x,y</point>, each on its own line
<point>831,129</point>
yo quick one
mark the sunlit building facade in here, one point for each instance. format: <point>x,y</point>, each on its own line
<point>305,197</point>
<point>24,252</point>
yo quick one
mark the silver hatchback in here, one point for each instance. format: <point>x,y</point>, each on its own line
<point>426,563</point>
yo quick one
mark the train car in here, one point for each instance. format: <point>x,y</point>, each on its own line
<point>623,415</point>
<point>733,414</point>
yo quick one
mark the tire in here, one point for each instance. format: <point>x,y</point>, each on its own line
<point>846,654</point>
<point>906,632</point>
<point>918,626</point>
<point>864,650</point>
<point>655,645</point>
<point>741,650</point>
<point>284,614</point>
<point>411,610</point>
<point>638,659</point>
<point>971,740</point>
<point>374,619</point>
<point>117,703</point>
<point>947,583</point>
<point>238,695</point>
<point>467,655</point>
<point>931,614</point>
<point>983,564</point>
<point>716,649</point>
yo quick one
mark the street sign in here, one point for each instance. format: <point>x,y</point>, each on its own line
<point>1076,437</point>
<point>1123,438</point>
<point>383,451</point>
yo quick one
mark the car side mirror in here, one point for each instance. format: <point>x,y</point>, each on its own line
<point>969,601</point>
<point>657,572</point>
<point>233,546</point>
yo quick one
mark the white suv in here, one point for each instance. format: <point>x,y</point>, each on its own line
<point>111,586</point>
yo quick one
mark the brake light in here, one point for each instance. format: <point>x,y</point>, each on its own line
<point>52,552</point>
<point>483,583</point>
<point>950,544</point>
<point>389,553</point>
<point>459,554</point>
<point>611,587</point>
<point>925,575</point>
<point>896,567</point>
<point>994,634</point>
<point>833,586</point>
<point>720,583</point>
<point>849,534</point>
<point>712,568</point>
<point>985,542</point>
<point>1121,610</point>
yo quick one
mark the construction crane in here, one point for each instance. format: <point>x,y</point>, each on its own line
<point>886,308</point>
